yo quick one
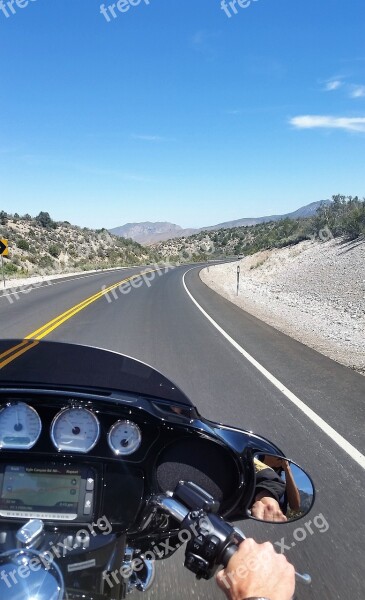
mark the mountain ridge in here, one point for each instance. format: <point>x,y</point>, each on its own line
<point>148,232</point>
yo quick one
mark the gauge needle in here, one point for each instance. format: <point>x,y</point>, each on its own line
<point>127,439</point>
<point>68,421</point>
<point>18,425</point>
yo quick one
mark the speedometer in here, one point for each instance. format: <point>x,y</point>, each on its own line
<point>75,430</point>
<point>20,426</point>
<point>124,438</point>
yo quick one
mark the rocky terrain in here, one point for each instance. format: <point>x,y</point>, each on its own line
<point>40,246</point>
<point>314,292</point>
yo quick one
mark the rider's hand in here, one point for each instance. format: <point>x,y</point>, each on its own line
<point>268,509</point>
<point>256,570</point>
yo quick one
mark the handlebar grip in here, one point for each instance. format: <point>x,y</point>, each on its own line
<point>228,553</point>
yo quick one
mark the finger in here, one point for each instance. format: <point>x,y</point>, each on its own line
<point>223,583</point>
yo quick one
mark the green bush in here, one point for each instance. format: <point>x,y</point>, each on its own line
<point>23,244</point>
<point>10,268</point>
<point>45,262</point>
<point>54,250</point>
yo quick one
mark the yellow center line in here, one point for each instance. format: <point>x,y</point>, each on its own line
<point>19,353</point>
<point>50,326</point>
<point>13,349</point>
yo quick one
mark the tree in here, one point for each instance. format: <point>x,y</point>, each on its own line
<point>44,219</point>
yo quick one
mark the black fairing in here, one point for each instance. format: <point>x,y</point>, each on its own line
<point>73,366</point>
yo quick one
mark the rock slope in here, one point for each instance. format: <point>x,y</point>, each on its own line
<point>314,292</point>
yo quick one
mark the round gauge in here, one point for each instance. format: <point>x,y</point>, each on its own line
<point>124,438</point>
<point>20,426</point>
<point>75,430</point>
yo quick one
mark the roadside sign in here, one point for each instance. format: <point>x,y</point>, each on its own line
<point>4,250</point>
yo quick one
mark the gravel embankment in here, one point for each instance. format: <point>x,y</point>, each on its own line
<point>314,292</point>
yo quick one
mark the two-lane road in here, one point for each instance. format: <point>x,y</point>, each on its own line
<point>155,320</point>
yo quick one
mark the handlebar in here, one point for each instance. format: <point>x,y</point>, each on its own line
<point>216,546</point>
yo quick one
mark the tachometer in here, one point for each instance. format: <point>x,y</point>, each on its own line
<point>75,430</point>
<point>20,426</point>
<point>124,438</point>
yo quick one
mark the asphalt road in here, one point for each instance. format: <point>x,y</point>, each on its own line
<point>159,324</point>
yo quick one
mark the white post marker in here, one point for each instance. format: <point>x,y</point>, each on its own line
<point>238,278</point>
<point>2,266</point>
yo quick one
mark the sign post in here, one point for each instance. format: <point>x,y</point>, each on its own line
<point>238,278</point>
<point>4,251</point>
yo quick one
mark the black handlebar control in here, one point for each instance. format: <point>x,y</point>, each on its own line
<point>214,541</point>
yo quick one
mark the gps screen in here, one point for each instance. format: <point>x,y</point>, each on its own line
<point>32,488</point>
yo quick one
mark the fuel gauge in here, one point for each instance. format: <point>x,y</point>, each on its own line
<point>124,438</point>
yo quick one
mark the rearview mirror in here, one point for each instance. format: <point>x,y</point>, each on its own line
<point>283,492</point>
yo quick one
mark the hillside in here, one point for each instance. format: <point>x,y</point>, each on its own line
<point>42,246</point>
<point>149,233</point>
<point>313,292</point>
<point>343,217</point>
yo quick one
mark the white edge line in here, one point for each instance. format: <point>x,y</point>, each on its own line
<point>52,282</point>
<point>321,423</point>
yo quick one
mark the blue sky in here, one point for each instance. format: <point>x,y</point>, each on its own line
<point>173,111</point>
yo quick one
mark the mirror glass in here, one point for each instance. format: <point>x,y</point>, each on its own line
<point>283,492</point>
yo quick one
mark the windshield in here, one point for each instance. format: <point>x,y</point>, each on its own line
<point>64,366</point>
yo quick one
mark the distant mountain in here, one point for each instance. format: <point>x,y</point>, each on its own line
<point>150,233</point>
<point>301,213</point>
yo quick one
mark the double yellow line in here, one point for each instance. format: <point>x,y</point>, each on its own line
<point>33,338</point>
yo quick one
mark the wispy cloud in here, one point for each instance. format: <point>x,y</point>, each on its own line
<point>357,91</point>
<point>332,85</point>
<point>352,90</point>
<point>233,111</point>
<point>326,122</point>
<point>46,161</point>
<point>205,42</point>
<point>150,138</point>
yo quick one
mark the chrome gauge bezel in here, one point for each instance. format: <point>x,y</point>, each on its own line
<point>120,452</point>
<point>61,414</point>
<point>33,442</point>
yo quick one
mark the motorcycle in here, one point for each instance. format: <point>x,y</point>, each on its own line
<point>106,468</point>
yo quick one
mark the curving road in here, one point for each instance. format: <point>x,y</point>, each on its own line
<point>156,320</point>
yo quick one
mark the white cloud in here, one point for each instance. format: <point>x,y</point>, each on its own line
<point>332,85</point>
<point>358,91</point>
<point>326,122</point>
<point>204,42</point>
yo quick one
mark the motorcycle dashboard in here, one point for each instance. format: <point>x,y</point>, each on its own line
<point>72,458</point>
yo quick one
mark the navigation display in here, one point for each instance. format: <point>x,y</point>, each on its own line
<point>40,489</point>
